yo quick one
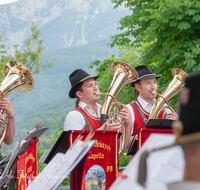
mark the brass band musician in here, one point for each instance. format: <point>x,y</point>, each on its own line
<point>187,135</point>
<point>85,89</point>
<point>146,85</point>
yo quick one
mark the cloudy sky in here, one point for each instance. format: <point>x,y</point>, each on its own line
<point>7,1</point>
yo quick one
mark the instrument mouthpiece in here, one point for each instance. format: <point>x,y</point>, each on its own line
<point>153,92</point>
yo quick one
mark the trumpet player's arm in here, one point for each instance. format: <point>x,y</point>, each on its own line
<point>6,105</point>
<point>125,114</point>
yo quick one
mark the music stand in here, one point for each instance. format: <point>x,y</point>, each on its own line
<point>159,124</point>
<point>153,124</point>
<point>61,145</point>
<point>132,150</point>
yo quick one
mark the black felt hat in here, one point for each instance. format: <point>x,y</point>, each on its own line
<point>144,73</point>
<point>76,78</point>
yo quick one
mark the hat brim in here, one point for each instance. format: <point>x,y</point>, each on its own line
<point>73,89</point>
<point>145,77</point>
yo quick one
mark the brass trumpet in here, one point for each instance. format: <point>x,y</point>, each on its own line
<point>123,73</point>
<point>19,78</point>
<point>175,86</point>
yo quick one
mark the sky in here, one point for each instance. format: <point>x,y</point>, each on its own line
<point>7,1</point>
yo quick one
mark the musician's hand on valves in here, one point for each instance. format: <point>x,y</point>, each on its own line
<point>125,114</point>
<point>173,116</point>
<point>110,126</point>
<point>6,105</point>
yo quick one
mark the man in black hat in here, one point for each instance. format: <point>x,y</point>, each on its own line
<point>85,89</point>
<point>146,85</point>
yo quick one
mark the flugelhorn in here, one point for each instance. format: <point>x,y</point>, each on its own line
<point>123,73</point>
<point>175,86</point>
<point>17,77</point>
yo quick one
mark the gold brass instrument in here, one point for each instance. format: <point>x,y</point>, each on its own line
<point>176,85</point>
<point>19,78</point>
<point>123,73</point>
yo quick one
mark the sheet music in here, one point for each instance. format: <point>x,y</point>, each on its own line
<point>87,147</point>
<point>61,166</point>
<point>44,156</point>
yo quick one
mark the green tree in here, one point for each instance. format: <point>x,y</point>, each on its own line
<point>170,28</point>
<point>29,57</point>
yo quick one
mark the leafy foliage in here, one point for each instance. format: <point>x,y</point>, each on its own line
<point>29,57</point>
<point>124,160</point>
<point>171,29</point>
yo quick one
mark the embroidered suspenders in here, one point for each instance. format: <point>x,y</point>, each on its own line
<point>140,111</point>
<point>86,120</point>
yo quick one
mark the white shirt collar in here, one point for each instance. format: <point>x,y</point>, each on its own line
<point>88,108</point>
<point>83,105</point>
<point>143,103</point>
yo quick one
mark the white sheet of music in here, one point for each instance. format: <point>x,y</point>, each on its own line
<point>163,166</point>
<point>60,167</point>
<point>44,156</point>
<point>83,152</point>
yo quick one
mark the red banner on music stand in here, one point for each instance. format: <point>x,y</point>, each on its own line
<point>21,172</point>
<point>144,133</point>
<point>98,170</point>
<point>31,162</point>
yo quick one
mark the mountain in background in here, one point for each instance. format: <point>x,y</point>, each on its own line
<point>62,23</point>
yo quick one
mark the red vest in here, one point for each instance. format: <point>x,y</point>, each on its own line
<point>138,118</point>
<point>94,121</point>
